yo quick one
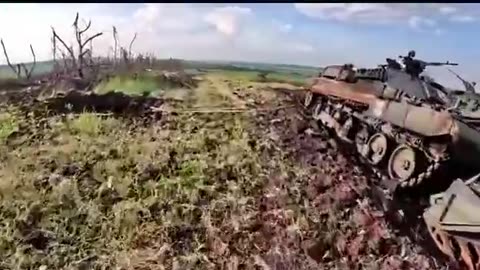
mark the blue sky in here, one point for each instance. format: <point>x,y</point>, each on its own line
<point>312,34</point>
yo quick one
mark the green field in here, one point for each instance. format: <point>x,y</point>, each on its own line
<point>284,72</point>
<point>150,82</point>
<point>41,68</point>
<point>129,85</point>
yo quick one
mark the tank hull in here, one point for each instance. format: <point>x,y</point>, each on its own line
<point>412,130</point>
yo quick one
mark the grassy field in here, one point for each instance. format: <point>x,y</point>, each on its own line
<point>249,189</point>
<point>274,76</point>
<point>159,196</point>
<point>292,74</point>
<point>152,84</point>
<point>296,74</point>
<point>41,68</point>
<point>129,85</point>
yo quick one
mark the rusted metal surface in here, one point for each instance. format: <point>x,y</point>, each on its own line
<point>332,71</point>
<point>454,224</point>
<point>421,120</point>
<point>361,92</point>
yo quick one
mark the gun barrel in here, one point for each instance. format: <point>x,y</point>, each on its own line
<point>441,64</point>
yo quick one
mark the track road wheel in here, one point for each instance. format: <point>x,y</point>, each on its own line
<point>377,148</point>
<point>402,163</point>
<point>307,102</point>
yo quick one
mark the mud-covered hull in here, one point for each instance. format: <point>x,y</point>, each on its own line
<point>384,104</point>
<point>410,131</point>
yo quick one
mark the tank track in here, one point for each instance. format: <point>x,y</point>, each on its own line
<point>414,181</point>
<point>458,239</point>
<point>341,111</point>
<point>462,249</point>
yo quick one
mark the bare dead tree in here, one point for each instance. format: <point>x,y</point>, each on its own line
<point>130,47</point>
<point>65,62</point>
<point>15,70</point>
<point>54,52</point>
<point>82,43</point>
<point>124,54</point>
<point>91,50</point>
<point>120,53</point>
<point>78,61</point>
<point>18,69</point>
<point>68,48</point>
<point>109,54</point>
<point>28,73</point>
<point>115,40</point>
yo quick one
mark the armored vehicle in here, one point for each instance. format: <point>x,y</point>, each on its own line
<point>403,123</point>
<point>453,223</point>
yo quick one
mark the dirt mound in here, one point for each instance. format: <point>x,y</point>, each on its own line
<point>79,99</point>
<point>12,84</point>
<point>23,93</point>
<point>117,103</point>
<point>112,103</point>
<point>17,97</point>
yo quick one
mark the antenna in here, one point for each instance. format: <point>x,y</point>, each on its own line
<point>469,87</point>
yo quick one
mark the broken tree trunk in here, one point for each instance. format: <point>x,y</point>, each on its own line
<point>115,40</point>
<point>130,47</point>
<point>78,61</point>
<point>18,69</point>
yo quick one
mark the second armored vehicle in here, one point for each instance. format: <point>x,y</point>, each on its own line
<point>453,223</point>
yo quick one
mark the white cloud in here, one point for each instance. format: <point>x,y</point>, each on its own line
<point>419,23</point>
<point>446,10</point>
<point>227,20</point>
<point>462,18</point>
<point>281,26</point>
<point>374,13</point>
<point>357,12</point>
<point>166,18</point>
<point>168,30</point>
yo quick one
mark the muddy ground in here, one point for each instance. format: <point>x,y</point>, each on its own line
<point>268,191</point>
